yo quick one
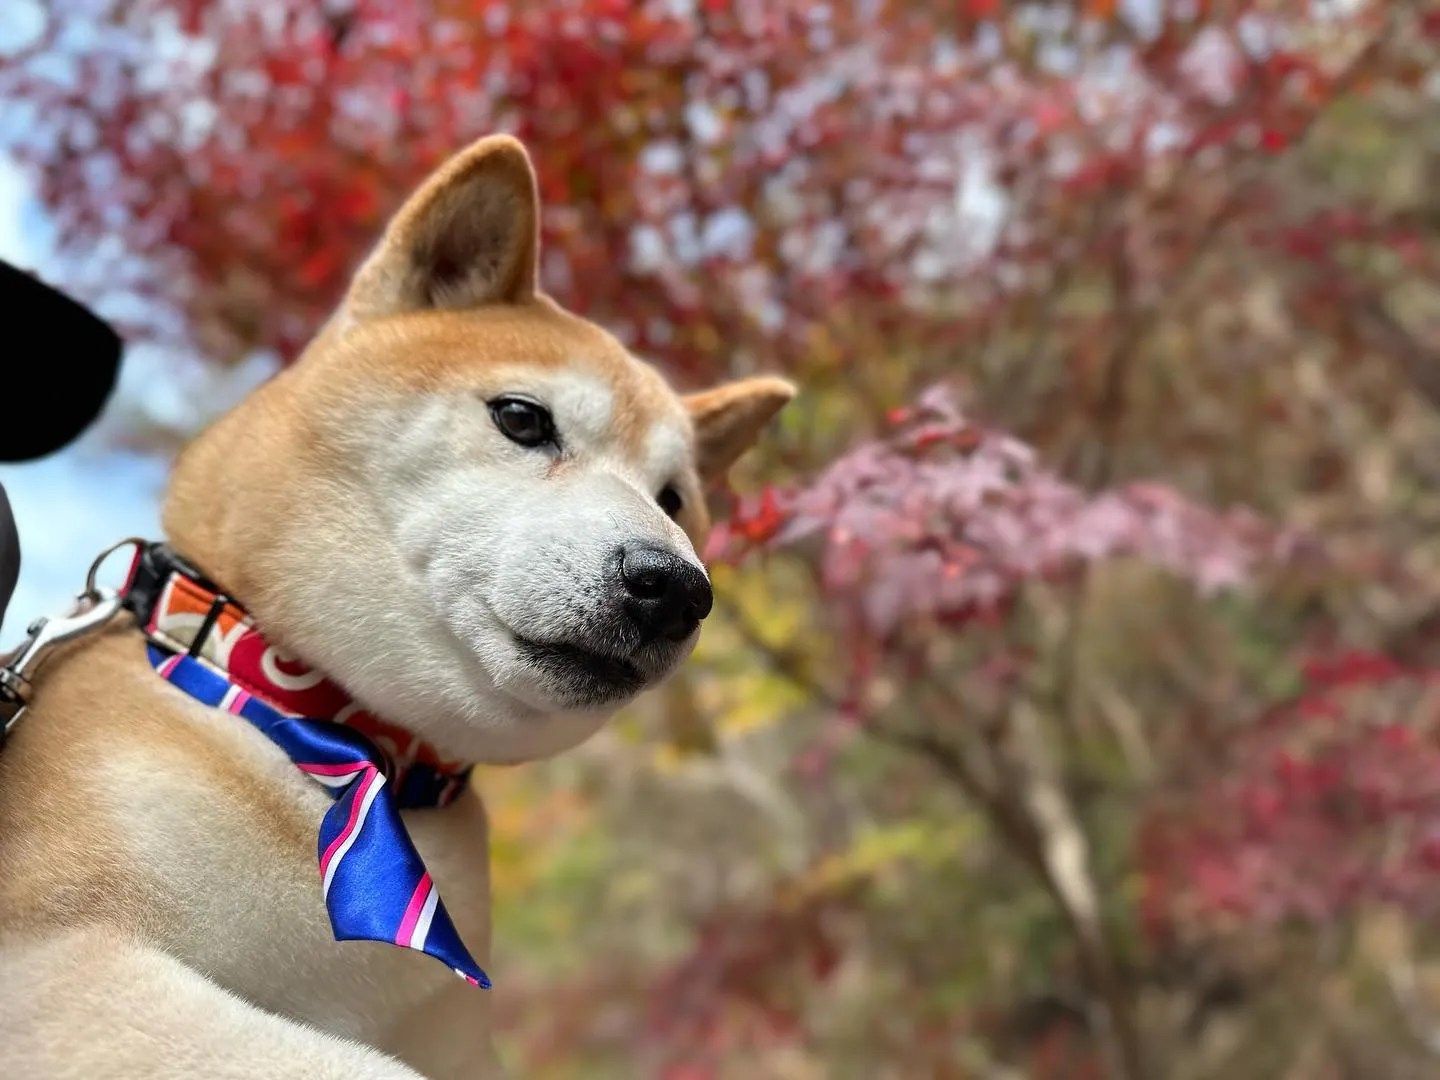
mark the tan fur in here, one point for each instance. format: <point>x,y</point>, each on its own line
<point>728,419</point>
<point>159,907</point>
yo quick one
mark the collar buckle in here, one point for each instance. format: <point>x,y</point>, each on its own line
<point>151,569</point>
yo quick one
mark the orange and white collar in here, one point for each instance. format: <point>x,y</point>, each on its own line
<point>184,613</point>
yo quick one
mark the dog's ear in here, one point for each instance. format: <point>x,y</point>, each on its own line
<point>729,419</point>
<point>468,236</point>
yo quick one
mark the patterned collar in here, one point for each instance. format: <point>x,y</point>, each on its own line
<point>182,612</point>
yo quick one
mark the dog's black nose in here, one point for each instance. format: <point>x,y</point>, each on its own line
<point>668,595</point>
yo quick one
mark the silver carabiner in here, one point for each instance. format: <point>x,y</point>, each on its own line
<point>93,609</point>
<point>44,636</point>
<point>91,589</point>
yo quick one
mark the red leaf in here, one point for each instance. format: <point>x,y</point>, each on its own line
<point>1273,141</point>
<point>317,269</point>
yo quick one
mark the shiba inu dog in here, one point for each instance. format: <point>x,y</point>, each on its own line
<point>461,528</point>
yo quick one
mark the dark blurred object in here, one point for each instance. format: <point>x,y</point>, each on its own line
<point>9,554</point>
<point>69,363</point>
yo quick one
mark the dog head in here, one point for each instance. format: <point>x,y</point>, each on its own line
<point>475,511</point>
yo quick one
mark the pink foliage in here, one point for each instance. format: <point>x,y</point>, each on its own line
<point>1328,801</point>
<point>944,519</point>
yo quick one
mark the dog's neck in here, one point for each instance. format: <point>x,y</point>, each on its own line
<point>184,612</point>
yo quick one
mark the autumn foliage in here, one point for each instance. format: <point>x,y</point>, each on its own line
<point>1070,707</point>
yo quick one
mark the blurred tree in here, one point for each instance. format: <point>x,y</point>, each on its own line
<point>1079,776</point>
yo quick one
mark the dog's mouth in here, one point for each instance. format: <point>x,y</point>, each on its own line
<point>582,675</point>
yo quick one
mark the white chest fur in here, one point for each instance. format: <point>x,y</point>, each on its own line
<point>236,868</point>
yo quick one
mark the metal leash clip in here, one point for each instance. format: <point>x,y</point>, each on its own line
<point>93,609</point>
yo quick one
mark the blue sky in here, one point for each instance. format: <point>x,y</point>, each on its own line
<point>72,505</point>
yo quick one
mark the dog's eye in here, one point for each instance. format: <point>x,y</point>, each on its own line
<point>523,422</point>
<point>670,500</point>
